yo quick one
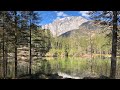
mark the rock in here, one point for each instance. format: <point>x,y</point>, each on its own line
<point>60,26</point>
<point>42,76</point>
<point>66,76</point>
<point>104,77</point>
<point>24,76</point>
<point>90,78</point>
<point>101,77</point>
<point>60,77</point>
<point>54,76</point>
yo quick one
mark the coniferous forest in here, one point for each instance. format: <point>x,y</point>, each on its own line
<point>31,51</point>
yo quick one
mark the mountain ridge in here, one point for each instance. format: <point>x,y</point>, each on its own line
<point>62,25</point>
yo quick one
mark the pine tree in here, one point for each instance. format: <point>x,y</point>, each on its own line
<point>110,17</point>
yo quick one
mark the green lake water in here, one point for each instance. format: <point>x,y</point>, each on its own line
<point>80,67</point>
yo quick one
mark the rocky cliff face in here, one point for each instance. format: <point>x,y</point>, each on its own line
<point>87,27</point>
<point>60,26</point>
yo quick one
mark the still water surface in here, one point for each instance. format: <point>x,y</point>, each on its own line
<point>79,67</point>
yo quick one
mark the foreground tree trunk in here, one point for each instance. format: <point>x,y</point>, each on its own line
<point>6,60</point>
<point>114,46</point>
<point>30,51</point>
<point>3,48</point>
<point>15,12</point>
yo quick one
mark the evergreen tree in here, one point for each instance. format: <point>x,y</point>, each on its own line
<point>112,18</point>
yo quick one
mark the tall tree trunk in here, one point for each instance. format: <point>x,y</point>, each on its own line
<point>3,49</point>
<point>15,12</point>
<point>6,56</point>
<point>5,62</point>
<point>114,46</point>
<point>30,51</point>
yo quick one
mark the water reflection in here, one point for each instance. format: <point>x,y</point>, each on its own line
<point>81,67</point>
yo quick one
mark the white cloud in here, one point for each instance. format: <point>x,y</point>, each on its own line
<point>84,13</point>
<point>61,14</point>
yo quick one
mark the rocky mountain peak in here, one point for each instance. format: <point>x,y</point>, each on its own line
<point>62,25</point>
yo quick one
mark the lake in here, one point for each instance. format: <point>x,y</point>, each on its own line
<point>74,66</point>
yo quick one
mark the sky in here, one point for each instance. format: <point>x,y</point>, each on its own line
<point>49,16</point>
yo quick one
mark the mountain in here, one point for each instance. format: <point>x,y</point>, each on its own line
<point>85,29</point>
<point>63,25</point>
